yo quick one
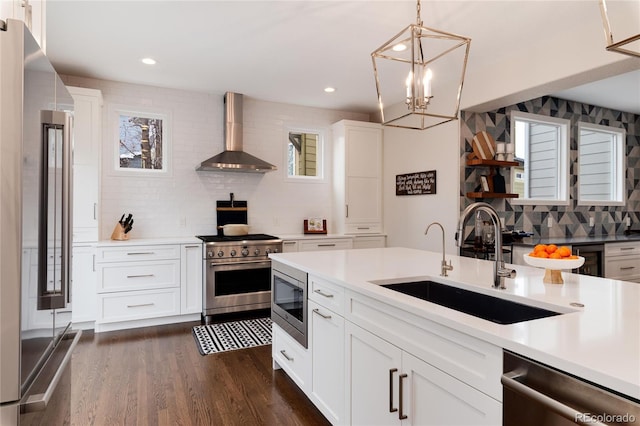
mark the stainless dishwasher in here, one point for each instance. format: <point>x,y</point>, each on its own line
<point>534,394</point>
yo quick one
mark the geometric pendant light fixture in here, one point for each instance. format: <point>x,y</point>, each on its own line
<point>419,76</point>
<point>628,46</point>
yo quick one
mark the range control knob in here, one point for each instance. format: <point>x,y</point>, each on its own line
<point>245,252</point>
<point>267,250</point>
<point>220,253</point>
<point>209,254</point>
<point>275,250</point>
<point>256,251</point>
<point>233,253</point>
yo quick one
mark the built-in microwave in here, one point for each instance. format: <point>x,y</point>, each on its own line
<point>289,300</point>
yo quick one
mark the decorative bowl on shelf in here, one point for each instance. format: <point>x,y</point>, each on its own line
<point>553,267</point>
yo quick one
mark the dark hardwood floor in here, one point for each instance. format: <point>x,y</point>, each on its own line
<point>156,376</point>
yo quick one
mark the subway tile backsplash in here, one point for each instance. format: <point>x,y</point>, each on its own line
<point>571,220</point>
<point>183,204</point>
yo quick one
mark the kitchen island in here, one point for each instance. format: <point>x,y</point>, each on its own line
<point>596,337</point>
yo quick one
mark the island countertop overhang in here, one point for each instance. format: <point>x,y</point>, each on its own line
<point>600,342</point>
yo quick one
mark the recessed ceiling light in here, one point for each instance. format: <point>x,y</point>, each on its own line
<point>399,47</point>
<point>329,89</point>
<point>148,61</point>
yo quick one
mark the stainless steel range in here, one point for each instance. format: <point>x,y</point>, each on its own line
<point>237,272</point>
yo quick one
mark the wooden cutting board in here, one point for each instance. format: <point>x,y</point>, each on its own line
<point>484,146</point>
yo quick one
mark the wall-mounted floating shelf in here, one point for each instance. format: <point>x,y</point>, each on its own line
<point>490,195</point>
<point>492,164</point>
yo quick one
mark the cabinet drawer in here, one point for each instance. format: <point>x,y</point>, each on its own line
<point>325,244</point>
<point>138,253</point>
<point>138,276</point>
<point>622,249</point>
<point>470,360</point>
<point>623,267</point>
<point>377,241</point>
<point>363,228</point>
<point>134,305</point>
<point>326,294</point>
<point>292,357</point>
<point>289,246</point>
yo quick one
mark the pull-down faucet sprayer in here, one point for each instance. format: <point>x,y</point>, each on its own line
<point>500,272</point>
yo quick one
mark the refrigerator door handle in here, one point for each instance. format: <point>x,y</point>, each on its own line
<point>39,402</point>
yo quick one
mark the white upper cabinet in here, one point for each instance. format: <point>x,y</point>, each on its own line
<point>31,12</point>
<point>87,131</point>
<point>357,179</point>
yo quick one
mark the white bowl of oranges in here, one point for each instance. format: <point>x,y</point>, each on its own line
<point>554,259</point>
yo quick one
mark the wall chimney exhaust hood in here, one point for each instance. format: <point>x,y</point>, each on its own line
<point>233,158</point>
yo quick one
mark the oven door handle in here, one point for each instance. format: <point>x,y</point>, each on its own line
<point>249,264</point>
<point>509,380</point>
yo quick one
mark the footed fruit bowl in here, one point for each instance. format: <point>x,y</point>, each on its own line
<point>553,267</point>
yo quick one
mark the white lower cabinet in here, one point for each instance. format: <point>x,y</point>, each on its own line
<point>389,386</point>
<point>83,285</point>
<point>370,363</point>
<point>622,261</point>
<point>369,241</point>
<point>191,271</point>
<point>147,284</point>
<point>291,357</point>
<point>372,370</point>
<point>327,369</point>
<point>325,244</point>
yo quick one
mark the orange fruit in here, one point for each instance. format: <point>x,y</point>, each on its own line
<point>543,254</point>
<point>540,247</point>
<point>564,251</point>
<point>551,248</point>
<point>573,256</point>
<point>555,255</point>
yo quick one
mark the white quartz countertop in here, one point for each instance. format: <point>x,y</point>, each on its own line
<point>599,342</point>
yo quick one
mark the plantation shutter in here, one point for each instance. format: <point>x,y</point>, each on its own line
<point>596,161</point>
<point>542,164</point>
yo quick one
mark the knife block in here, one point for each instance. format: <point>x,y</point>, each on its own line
<point>118,233</point>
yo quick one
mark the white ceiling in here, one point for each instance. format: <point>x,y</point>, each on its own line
<point>289,51</point>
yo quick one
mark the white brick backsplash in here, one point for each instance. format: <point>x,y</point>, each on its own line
<point>161,204</point>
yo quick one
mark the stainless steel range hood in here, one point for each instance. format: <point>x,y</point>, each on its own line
<point>233,158</point>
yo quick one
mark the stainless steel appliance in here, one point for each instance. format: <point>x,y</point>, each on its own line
<point>233,158</point>
<point>593,259</point>
<point>534,394</point>
<point>36,340</point>
<point>237,272</point>
<point>289,301</point>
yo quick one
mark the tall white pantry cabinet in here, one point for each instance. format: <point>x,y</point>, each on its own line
<point>357,177</point>
<point>87,133</point>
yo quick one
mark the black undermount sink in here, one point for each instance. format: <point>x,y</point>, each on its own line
<point>490,308</point>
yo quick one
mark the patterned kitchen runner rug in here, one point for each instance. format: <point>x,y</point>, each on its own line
<point>228,336</point>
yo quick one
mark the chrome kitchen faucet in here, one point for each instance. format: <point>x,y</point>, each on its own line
<point>500,272</point>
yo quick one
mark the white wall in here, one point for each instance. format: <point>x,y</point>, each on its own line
<point>406,217</point>
<point>183,204</point>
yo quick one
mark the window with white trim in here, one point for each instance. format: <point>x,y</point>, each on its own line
<point>542,148</point>
<point>600,164</point>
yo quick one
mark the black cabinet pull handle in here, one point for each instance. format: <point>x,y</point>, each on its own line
<point>401,414</point>
<point>391,408</point>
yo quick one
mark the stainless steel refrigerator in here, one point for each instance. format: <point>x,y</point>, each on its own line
<point>36,340</point>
